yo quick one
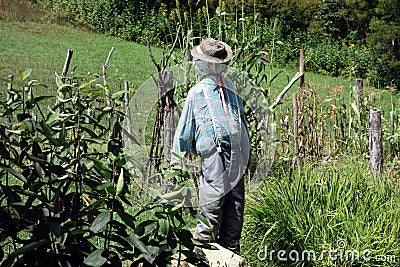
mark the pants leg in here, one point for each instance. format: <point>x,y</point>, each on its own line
<point>232,218</point>
<point>211,195</point>
<point>221,198</point>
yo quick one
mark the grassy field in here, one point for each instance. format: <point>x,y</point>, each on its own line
<point>43,47</point>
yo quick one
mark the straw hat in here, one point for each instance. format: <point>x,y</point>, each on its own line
<point>213,51</point>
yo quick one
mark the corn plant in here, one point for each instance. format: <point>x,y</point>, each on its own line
<point>67,197</point>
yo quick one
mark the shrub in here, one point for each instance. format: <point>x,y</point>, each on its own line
<point>66,194</point>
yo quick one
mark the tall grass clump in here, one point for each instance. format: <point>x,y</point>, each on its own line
<point>339,207</point>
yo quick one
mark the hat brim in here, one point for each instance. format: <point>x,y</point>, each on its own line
<point>197,53</point>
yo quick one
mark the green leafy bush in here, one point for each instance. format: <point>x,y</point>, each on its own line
<point>66,195</point>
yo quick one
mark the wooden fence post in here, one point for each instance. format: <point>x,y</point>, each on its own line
<point>67,62</point>
<point>358,87</point>
<point>301,69</point>
<point>65,72</point>
<point>375,141</point>
<point>300,103</point>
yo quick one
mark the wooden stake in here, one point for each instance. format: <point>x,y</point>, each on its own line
<point>105,65</point>
<point>375,141</point>
<point>295,129</point>
<point>65,72</point>
<point>301,69</point>
<point>67,62</point>
<point>358,86</point>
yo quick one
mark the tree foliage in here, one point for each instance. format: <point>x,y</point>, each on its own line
<point>384,42</point>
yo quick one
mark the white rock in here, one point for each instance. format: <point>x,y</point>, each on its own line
<point>220,257</point>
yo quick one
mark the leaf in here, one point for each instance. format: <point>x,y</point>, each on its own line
<point>120,183</point>
<point>39,170</point>
<point>13,172</point>
<point>59,81</point>
<point>40,98</point>
<point>7,224</point>
<point>95,259</point>
<point>24,74</point>
<point>118,94</point>
<point>172,175</point>
<point>29,247</point>
<point>164,226</point>
<point>100,222</point>
<point>356,110</point>
<point>86,84</point>
<point>104,186</point>
<point>55,228</point>
<point>131,137</point>
<point>55,116</point>
<point>4,153</point>
<point>36,159</point>
<point>90,132</point>
<point>127,219</point>
<point>137,243</point>
<point>46,131</point>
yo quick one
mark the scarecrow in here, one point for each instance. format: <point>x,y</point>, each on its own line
<point>213,125</point>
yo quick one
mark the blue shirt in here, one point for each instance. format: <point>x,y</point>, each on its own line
<point>197,132</point>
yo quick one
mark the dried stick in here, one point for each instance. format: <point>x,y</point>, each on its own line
<point>105,65</point>
<point>172,48</point>
<point>152,56</point>
<point>278,100</point>
<point>67,62</point>
<point>295,129</point>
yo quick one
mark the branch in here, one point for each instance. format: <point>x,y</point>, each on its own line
<point>105,76</point>
<point>152,56</point>
<point>172,48</point>
<point>278,100</point>
<point>106,64</point>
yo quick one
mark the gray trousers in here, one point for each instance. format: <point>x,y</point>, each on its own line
<point>221,199</point>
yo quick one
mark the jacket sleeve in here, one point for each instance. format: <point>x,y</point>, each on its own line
<point>185,132</point>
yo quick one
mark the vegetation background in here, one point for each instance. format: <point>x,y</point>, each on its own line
<point>93,214</point>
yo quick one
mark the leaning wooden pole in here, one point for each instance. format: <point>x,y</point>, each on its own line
<point>375,141</point>
<point>105,65</point>
<point>301,69</point>
<point>67,63</point>
<point>64,73</point>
